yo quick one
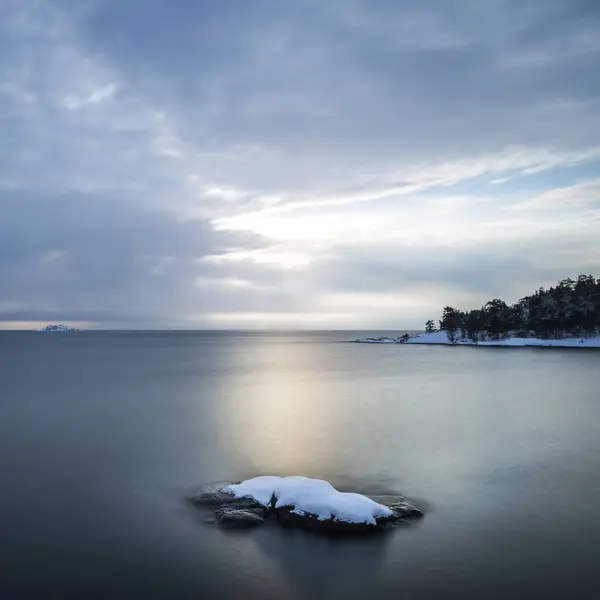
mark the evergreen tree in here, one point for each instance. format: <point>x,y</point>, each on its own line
<point>475,325</point>
<point>430,327</point>
<point>451,322</point>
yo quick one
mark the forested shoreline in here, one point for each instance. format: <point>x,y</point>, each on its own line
<point>569,309</point>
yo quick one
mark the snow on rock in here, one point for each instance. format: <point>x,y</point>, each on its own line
<point>441,337</point>
<point>312,504</point>
<point>57,328</point>
<point>314,497</point>
<point>384,340</point>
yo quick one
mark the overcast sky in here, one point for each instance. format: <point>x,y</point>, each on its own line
<point>297,163</point>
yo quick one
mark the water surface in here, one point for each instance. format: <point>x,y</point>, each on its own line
<point>103,434</point>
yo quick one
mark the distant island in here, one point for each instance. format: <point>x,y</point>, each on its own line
<point>59,327</point>
<point>566,315</point>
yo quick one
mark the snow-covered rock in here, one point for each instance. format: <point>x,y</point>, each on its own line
<point>57,328</point>
<point>303,502</point>
<point>310,496</point>
<point>441,337</point>
<point>384,340</point>
<point>381,340</point>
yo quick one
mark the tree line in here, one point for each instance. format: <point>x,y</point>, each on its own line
<point>571,308</point>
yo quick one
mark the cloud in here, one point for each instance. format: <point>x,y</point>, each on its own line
<point>193,164</point>
<point>331,82</point>
<point>86,257</point>
<point>578,197</point>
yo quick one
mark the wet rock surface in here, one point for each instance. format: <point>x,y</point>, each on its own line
<point>239,518</point>
<point>402,508</point>
<point>220,499</point>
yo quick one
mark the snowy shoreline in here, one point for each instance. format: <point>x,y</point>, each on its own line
<point>441,338</point>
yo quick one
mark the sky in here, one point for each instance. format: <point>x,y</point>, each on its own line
<point>315,164</point>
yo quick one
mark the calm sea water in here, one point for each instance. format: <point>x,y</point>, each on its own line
<point>102,435</point>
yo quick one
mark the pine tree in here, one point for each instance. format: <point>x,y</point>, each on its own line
<point>451,322</point>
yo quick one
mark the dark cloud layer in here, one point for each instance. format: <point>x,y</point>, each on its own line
<point>90,258</point>
<point>357,77</point>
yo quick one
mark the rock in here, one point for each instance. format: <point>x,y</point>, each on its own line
<point>250,503</point>
<point>288,518</point>
<point>402,508</point>
<point>211,498</point>
<point>230,511</point>
<point>239,518</point>
<point>385,340</point>
<point>223,500</point>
